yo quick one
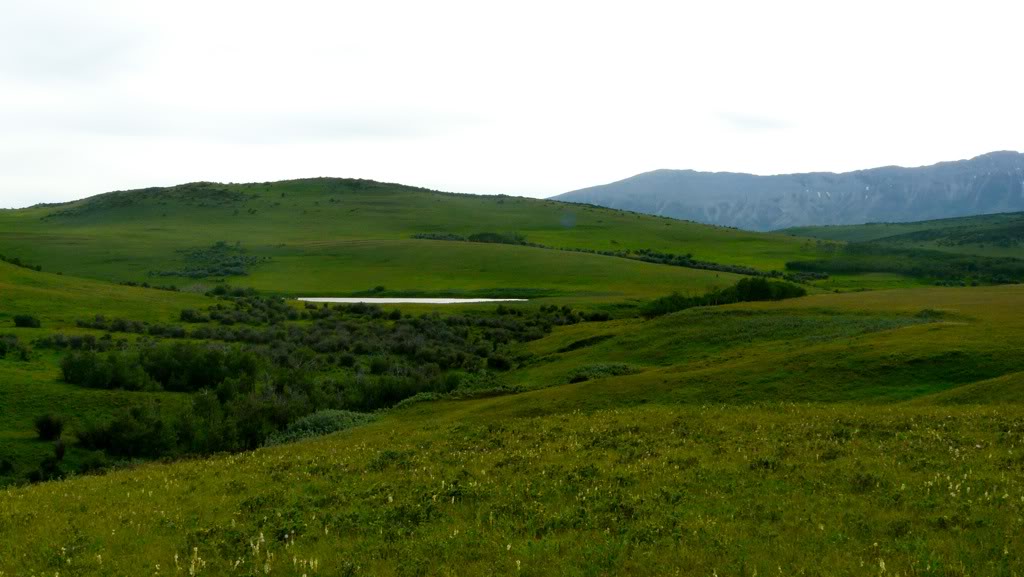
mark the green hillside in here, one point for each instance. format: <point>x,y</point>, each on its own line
<point>574,434</point>
<point>337,236</point>
<point>32,387</point>
<point>996,235</point>
<point>702,451</point>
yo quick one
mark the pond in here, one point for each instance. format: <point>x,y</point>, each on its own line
<point>395,301</point>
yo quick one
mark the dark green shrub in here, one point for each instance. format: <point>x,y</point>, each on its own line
<point>746,290</point>
<point>26,321</point>
<point>193,316</point>
<point>49,427</point>
<point>499,362</point>
<point>9,345</point>
<point>498,237</point>
<point>319,423</point>
<point>137,432</point>
<point>601,371</point>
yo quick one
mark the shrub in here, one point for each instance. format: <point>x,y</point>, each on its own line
<point>10,344</point>
<point>746,290</point>
<point>319,423</point>
<point>26,321</point>
<point>601,371</point>
<point>135,432</point>
<point>49,427</point>
<point>499,362</point>
<point>193,316</point>
<point>499,238</point>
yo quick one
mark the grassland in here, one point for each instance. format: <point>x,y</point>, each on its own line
<point>335,236</point>
<point>790,489</point>
<point>992,235</point>
<point>826,435</point>
<point>33,387</point>
<point>870,432</point>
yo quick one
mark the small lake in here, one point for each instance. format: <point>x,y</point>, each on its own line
<point>396,301</point>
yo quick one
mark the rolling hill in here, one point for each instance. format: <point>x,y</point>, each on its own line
<point>824,434</point>
<point>987,235</point>
<point>712,440</point>
<point>332,237</point>
<point>990,183</point>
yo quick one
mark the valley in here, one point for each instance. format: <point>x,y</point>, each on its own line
<point>212,423</point>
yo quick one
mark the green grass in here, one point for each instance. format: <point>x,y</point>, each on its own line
<point>993,235</point>
<point>875,432</point>
<point>58,301</point>
<point>333,236</point>
<point>32,388</point>
<point>790,489</point>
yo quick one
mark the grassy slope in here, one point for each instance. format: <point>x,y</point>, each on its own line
<point>995,235</point>
<point>646,490</point>
<point>311,228</point>
<point>32,388</point>
<point>644,474</point>
<point>698,463</point>
<point>877,347</point>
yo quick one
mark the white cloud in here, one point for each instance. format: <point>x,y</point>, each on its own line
<point>531,98</point>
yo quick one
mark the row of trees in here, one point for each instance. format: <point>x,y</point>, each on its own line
<point>746,290</point>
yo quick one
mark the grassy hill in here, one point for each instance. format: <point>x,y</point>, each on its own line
<point>958,251</point>
<point>994,235</point>
<point>834,434</point>
<point>337,236</point>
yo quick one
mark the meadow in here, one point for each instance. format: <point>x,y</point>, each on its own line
<point>332,237</point>
<point>771,489</point>
<point>991,235</point>
<point>868,427</point>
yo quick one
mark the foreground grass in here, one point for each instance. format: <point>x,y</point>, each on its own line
<point>790,489</point>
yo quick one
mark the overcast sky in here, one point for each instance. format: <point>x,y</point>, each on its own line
<point>524,98</point>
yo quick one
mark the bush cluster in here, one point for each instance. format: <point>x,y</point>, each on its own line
<point>746,290</point>
<point>253,382</point>
<point>9,344</point>
<point>17,262</point>
<point>26,321</point>
<point>49,427</point>
<point>171,288</point>
<point>219,260</point>
<point>318,424</point>
<point>588,372</point>
<point>856,258</point>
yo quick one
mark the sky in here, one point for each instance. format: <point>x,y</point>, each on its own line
<point>522,98</point>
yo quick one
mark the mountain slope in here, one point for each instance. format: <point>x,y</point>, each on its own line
<point>990,183</point>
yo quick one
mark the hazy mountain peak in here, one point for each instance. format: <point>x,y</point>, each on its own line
<point>989,183</point>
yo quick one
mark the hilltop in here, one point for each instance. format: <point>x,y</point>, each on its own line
<point>330,237</point>
<point>990,183</point>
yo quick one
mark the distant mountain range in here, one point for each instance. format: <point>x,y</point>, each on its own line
<point>990,183</point>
